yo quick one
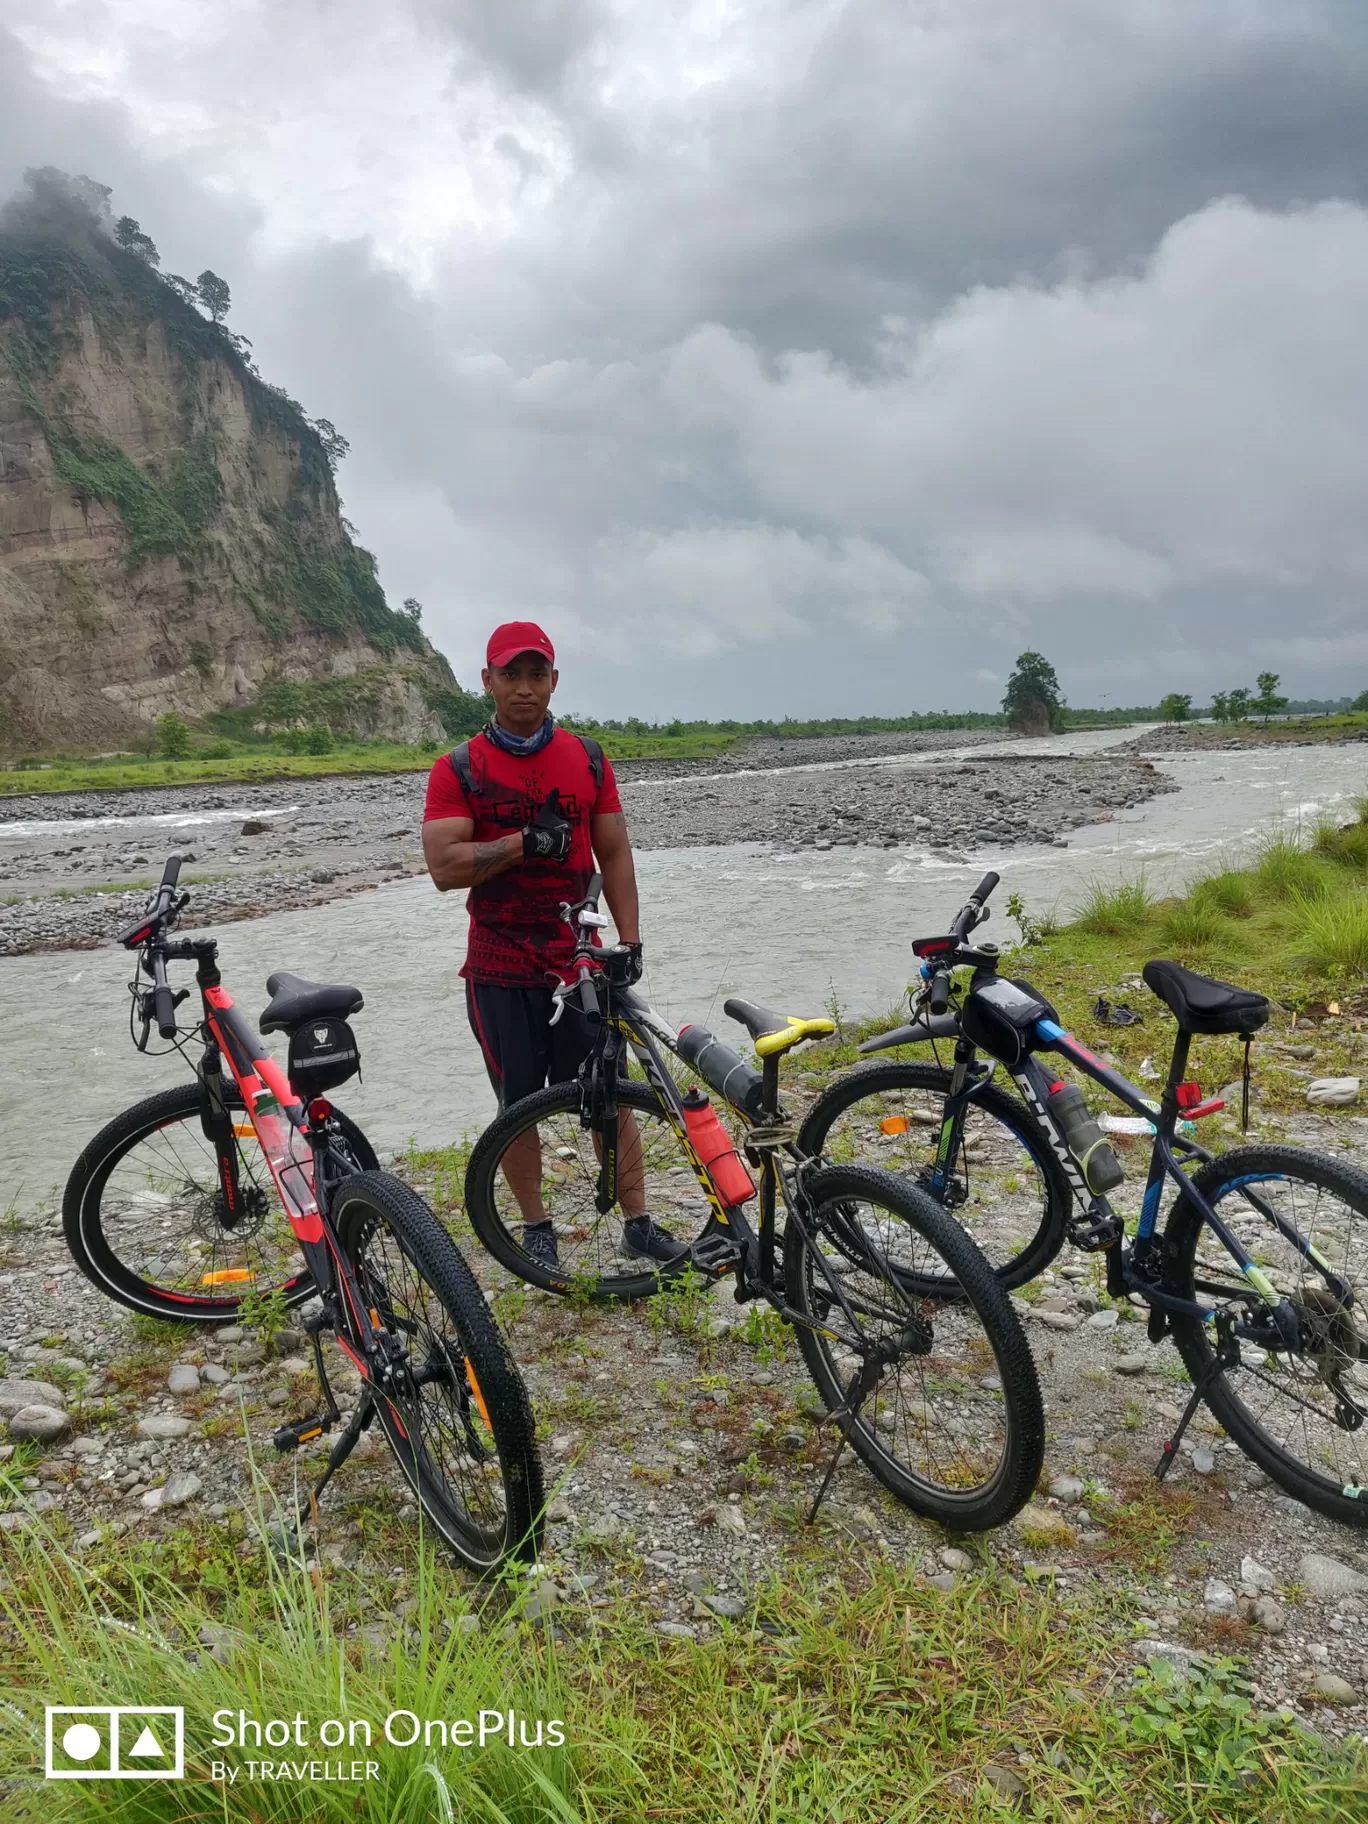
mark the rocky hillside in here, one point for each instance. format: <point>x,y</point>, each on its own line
<point>170,538</point>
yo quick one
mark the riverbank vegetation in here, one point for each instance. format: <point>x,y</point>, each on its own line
<point>851,1691</point>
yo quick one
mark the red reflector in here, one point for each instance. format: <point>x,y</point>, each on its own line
<point>1199,1109</point>
<point>932,946</point>
<point>319,1109</point>
<point>137,937</point>
<point>1188,1094</point>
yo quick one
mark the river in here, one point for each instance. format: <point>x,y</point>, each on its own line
<point>787,929</point>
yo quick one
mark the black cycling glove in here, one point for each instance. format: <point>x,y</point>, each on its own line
<point>635,966</point>
<point>550,834</point>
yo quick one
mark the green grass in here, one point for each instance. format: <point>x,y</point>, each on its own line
<point>1335,932</point>
<point>1108,911</point>
<point>1287,869</point>
<point>253,765</point>
<point>857,1695</point>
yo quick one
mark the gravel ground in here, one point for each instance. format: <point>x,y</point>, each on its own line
<point>1204,738</point>
<point>682,1446</point>
<point>253,849</point>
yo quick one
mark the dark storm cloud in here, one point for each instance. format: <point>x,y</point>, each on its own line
<point>801,355</point>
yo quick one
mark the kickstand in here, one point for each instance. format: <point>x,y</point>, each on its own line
<point>860,1389</point>
<point>1226,1356</point>
<point>346,1442</point>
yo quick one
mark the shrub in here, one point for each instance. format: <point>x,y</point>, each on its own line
<point>1347,845</point>
<point>318,740</point>
<point>1106,911</point>
<point>173,736</point>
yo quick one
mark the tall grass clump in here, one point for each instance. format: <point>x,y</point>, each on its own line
<point>1285,869</point>
<point>1195,925</point>
<point>1107,911</point>
<point>1333,932</point>
<point>1347,845</point>
<point>1230,893</point>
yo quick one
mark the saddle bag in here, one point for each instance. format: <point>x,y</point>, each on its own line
<point>1000,1017</point>
<point>323,1053</point>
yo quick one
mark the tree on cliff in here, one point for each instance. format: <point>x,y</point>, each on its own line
<point>214,294</point>
<point>132,239</point>
<point>1033,703</point>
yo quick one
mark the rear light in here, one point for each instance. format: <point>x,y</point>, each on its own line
<point>1188,1094</point>
<point>135,938</point>
<point>933,946</point>
<point>320,1109</point>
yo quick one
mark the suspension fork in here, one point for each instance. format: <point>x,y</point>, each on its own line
<point>217,1122</point>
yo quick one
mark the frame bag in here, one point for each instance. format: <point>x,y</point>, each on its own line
<point>1000,1018</point>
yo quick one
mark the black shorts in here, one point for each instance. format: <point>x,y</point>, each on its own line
<point>522,1049</point>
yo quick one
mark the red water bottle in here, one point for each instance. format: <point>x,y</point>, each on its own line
<point>712,1143</point>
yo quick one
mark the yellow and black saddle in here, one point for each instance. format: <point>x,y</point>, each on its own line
<point>772,1032</point>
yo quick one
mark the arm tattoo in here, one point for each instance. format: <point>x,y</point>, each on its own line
<point>489,858</point>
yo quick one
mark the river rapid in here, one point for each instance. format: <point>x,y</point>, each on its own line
<point>788,928</point>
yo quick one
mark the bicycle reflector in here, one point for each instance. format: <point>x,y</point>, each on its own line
<point>894,1124</point>
<point>933,946</point>
<point>1190,1101</point>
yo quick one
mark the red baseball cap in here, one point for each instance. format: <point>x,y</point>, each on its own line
<point>506,642</point>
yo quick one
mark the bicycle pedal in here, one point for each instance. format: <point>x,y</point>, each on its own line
<point>302,1431</point>
<point>715,1254</point>
<point>1093,1237</point>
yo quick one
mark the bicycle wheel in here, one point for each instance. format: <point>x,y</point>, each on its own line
<point>589,1244</point>
<point>1299,1416</point>
<point>143,1213</point>
<point>953,1424</point>
<point>456,1412</point>
<point>1003,1184</point>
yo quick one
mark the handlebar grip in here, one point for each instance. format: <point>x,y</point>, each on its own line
<point>171,872</point>
<point>940,991</point>
<point>588,997</point>
<point>985,887</point>
<point>595,887</point>
<point>164,1006</point>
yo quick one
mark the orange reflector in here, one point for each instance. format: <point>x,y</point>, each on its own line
<point>227,1276</point>
<point>893,1124</point>
<point>243,1130</point>
<point>475,1389</point>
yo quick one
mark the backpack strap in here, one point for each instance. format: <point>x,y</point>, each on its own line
<point>460,765</point>
<point>459,757</point>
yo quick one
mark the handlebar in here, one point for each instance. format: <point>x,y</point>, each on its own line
<point>588,997</point>
<point>968,915</point>
<point>940,991</point>
<point>163,1000</point>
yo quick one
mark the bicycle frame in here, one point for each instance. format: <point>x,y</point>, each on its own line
<point>748,1251</point>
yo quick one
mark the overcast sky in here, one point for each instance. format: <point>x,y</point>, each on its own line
<point>787,355</point>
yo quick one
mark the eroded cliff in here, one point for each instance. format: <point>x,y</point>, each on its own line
<point>170,536</point>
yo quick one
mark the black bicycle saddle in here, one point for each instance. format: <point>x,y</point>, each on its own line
<point>1199,1003</point>
<point>293,1000</point>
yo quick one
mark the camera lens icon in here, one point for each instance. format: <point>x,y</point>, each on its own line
<point>82,1741</point>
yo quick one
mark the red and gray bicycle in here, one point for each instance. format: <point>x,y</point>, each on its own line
<point>248,1189</point>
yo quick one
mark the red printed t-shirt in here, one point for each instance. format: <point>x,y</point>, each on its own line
<point>516,933</point>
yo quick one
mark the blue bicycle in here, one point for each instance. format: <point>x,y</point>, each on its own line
<point>1259,1271</point>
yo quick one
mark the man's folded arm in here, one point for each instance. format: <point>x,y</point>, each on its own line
<point>453,860</point>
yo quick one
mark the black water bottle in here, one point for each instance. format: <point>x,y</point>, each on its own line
<point>1099,1165</point>
<point>724,1070</point>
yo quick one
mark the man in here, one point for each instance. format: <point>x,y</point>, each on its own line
<point>520,815</point>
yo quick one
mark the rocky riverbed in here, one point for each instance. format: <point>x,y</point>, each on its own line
<point>76,867</point>
<point>682,1444</point>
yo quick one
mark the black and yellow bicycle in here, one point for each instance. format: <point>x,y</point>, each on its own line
<point>937,1395</point>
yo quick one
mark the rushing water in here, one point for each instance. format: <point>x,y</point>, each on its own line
<point>790,929</point>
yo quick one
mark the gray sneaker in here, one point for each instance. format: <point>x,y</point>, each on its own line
<point>539,1245</point>
<point>644,1239</point>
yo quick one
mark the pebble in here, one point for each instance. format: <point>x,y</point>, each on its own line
<point>1056,1320</point>
<point>941,1580</point>
<point>1203,1461</point>
<point>1217,1597</point>
<point>1104,1320</point>
<point>1267,1613</point>
<point>729,1519</point>
<point>183,1378</point>
<point>39,1424</point>
<point>1257,1576</point>
<point>164,1425</point>
<point>14,1395</point>
<point>1066,1488</point>
<point>215,1373</point>
<point>1131,1364</point>
<point>730,1608</point>
<point>180,1488</point>
<point>1333,1092</point>
<point>1005,1783</point>
<point>954,1559</point>
<point>1334,1689</point>
<point>1325,1576</point>
<point>676,1630</point>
